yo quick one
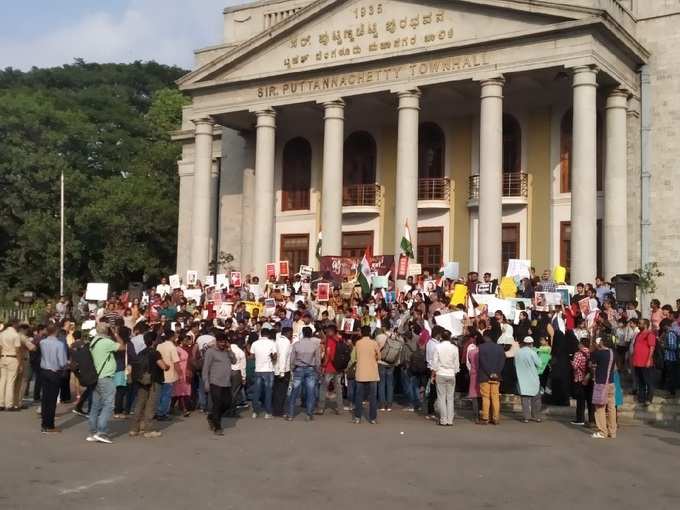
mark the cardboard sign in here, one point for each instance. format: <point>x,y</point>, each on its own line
<point>270,270</point>
<point>254,289</point>
<point>459,294</point>
<point>584,306</point>
<point>451,271</point>
<point>235,278</point>
<point>306,271</point>
<point>484,288</point>
<point>306,288</point>
<point>269,307</point>
<point>323,292</point>
<point>192,277</point>
<point>346,290</point>
<point>97,292</point>
<point>175,282</point>
<point>252,305</point>
<point>414,270</point>
<point>560,274</point>
<point>520,268</point>
<point>548,298</point>
<point>452,322</point>
<point>194,294</point>
<point>564,292</point>
<point>347,325</point>
<point>380,282</point>
<point>209,280</point>
<point>225,310</point>
<point>507,289</point>
<point>221,282</point>
<point>283,268</point>
<point>429,286</point>
<point>281,288</point>
<point>402,268</point>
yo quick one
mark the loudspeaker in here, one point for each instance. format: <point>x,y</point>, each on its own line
<point>624,285</point>
<point>135,290</point>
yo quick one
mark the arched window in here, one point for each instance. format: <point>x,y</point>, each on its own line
<point>512,144</point>
<point>297,175</point>
<point>359,159</point>
<point>566,142</point>
<point>430,151</point>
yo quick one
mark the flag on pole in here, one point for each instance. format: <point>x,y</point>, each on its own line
<point>364,273</point>
<point>318,245</point>
<point>406,246</point>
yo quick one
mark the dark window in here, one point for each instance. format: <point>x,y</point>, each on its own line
<point>565,246</point>
<point>430,249</point>
<point>354,244</point>
<point>359,159</point>
<point>297,175</point>
<point>295,249</point>
<point>512,144</point>
<point>510,243</point>
<point>430,151</point>
<point>566,143</point>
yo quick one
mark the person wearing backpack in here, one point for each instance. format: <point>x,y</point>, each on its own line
<point>102,349</point>
<point>83,367</point>
<point>337,359</point>
<point>390,346</point>
<point>147,374</point>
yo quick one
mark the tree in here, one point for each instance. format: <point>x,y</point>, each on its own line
<point>107,127</point>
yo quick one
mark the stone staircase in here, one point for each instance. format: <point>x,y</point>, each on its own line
<point>665,411</point>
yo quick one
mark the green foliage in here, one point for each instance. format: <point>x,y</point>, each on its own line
<point>648,276</point>
<point>106,126</point>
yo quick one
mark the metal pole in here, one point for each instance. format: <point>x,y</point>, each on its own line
<point>645,174</point>
<point>61,243</point>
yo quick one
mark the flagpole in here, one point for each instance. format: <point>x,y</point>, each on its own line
<point>61,238</point>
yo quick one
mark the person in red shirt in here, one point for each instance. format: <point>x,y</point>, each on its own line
<point>329,372</point>
<point>642,361</point>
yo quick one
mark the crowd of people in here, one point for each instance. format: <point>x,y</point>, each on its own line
<point>285,348</point>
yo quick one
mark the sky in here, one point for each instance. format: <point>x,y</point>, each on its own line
<point>46,33</point>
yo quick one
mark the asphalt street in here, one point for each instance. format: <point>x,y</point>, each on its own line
<point>402,462</point>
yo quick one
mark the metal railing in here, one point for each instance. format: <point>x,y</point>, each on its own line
<point>361,195</point>
<point>436,188</point>
<point>22,313</point>
<point>515,184</point>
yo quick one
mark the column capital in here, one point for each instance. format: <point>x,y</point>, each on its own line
<point>492,87</point>
<point>584,75</point>
<point>409,99</point>
<point>265,118</point>
<point>334,109</point>
<point>204,125</point>
<point>617,98</point>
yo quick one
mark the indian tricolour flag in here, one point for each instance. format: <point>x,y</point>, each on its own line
<point>406,246</point>
<point>364,273</point>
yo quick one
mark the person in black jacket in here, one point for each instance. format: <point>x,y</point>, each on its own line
<point>491,362</point>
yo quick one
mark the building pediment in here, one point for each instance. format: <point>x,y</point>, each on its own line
<point>331,33</point>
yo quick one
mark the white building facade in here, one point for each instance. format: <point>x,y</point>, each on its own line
<point>497,129</point>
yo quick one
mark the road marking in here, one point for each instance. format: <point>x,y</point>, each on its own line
<point>82,488</point>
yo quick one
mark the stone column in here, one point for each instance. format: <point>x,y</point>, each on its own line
<point>331,185</point>
<point>263,229</point>
<point>202,205</point>
<point>491,177</point>
<point>584,177</point>
<point>615,189</point>
<point>406,196</point>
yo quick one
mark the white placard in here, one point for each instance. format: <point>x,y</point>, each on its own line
<point>222,282</point>
<point>306,271</point>
<point>175,282</point>
<point>451,271</point>
<point>194,294</point>
<point>414,269</point>
<point>97,292</point>
<point>519,267</point>
<point>452,322</point>
<point>192,277</point>
<point>209,280</point>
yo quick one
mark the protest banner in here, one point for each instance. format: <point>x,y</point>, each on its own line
<point>483,288</point>
<point>323,292</point>
<point>254,289</point>
<point>452,322</point>
<point>519,268</point>
<point>564,292</point>
<point>283,268</point>
<point>221,282</point>
<point>306,288</point>
<point>541,302</point>
<point>306,271</point>
<point>379,282</point>
<point>414,270</point>
<point>337,268</point>
<point>347,325</point>
<point>193,294</point>
<point>270,270</point>
<point>174,281</point>
<point>252,305</point>
<point>225,309</point>
<point>459,294</point>
<point>501,305</point>
<point>97,291</point>
<point>269,307</point>
<point>192,277</point>
<point>507,288</point>
<point>451,271</point>
<point>282,288</point>
<point>346,289</point>
<point>235,278</point>
<point>209,281</point>
<point>382,264</point>
<point>209,294</point>
<point>560,274</point>
<point>402,268</point>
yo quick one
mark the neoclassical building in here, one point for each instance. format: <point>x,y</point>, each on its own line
<point>498,129</point>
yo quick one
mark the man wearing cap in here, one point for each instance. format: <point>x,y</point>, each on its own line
<point>527,364</point>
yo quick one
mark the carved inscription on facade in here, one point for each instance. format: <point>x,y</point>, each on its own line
<point>369,30</point>
<point>387,75</point>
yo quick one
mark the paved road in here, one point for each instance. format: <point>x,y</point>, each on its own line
<point>331,464</point>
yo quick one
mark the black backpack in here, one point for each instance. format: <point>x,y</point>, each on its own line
<point>141,367</point>
<point>343,353</point>
<point>82,363</point>
<point>418,363</point>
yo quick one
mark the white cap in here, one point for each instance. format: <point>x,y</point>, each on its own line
<point>528,340</point>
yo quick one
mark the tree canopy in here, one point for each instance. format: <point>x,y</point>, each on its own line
<point>107,127</point>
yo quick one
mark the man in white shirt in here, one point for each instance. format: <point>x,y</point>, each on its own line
<point>430,349</point>
<point>238,372</point>
<point>281,371</point>
<point>264,350</point>
<point>445,366</point>
<point>163,288</point>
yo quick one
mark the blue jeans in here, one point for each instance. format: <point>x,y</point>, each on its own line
<point>411,388</point>
<point>360,393</point>
<point>164,399</point>
<point>386,385</point>
<point>263,381</point>
<point>102,405</point>
<point>351,390</point>
<point>306,376</point>
<point>202,395</point>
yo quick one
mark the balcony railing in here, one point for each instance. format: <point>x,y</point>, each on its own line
<point>361,195</point>
<point>438,188</point>
<point>515,185</point>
